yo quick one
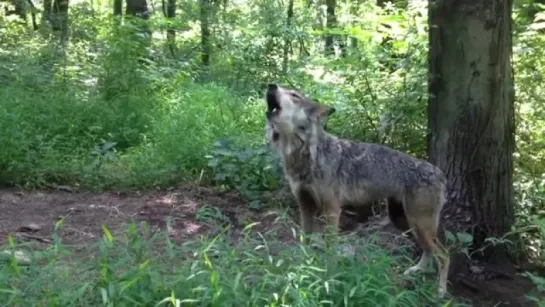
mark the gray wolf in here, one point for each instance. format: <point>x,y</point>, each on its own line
<point>325,172</point>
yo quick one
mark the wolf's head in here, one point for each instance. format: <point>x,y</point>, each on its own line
<point>290,115</point>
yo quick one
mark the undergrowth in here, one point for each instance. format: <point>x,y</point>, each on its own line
<point>140,268</point>
<point>107,109</point>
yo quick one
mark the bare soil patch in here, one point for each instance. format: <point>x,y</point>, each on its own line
<point>191,209</point>
<point>32,215</point>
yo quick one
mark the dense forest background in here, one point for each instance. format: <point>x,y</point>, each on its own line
<point>137,94</point>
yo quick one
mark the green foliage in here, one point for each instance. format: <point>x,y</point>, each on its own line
<point>113,107</point>
<point>250,171</point>
<point>131,269</point>
<point>159,117</point>
<point>540,291</point>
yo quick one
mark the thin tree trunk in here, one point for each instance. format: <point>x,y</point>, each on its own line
<point>331,22</point>
<point>118,7</point>
<point>59,17</point>
<point>33,14</point>
<point>46,15</point>
<point>171,32</point>
<point>387,43</point>
<point>140,9</point>
<point>471,115</point>
<point>287,41</point>
<point>137,8</point>
<point>354,8</point>
<point>206,48</point>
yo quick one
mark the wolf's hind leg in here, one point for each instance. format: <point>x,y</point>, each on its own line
<point>422,208</point>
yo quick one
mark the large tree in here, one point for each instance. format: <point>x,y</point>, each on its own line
<point>471,116</point>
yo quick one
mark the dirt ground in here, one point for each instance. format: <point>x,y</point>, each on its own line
<point>31,215</point>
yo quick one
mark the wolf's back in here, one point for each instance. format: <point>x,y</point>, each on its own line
<point>354,164</point>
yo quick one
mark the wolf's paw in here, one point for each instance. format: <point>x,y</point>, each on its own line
<point>441,291</point>
<point>346,250</point>
<point>412,270</point>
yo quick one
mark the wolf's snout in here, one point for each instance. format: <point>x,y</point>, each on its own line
<point>272,87</point>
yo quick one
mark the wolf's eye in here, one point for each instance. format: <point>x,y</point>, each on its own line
<point>302,128</point>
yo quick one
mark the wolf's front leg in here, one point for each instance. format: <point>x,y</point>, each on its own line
<point>332,216</point>
<point>307,214</point>
<point>307,211</point>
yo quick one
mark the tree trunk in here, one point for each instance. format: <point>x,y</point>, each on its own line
<point>59,17</point>
<point>46,15</point>
<point>387,43</point>
<point>471,116</point>
<point>206,48</point>
<point>137,8</point>
<point>354,9</point>
<point>118,7</point>
<point>33,14</point>
<point>287,40</point>
<point>171,33</point>
<point>331,22</point>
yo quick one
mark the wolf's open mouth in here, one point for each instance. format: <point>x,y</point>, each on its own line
<point>275,136</point>
<point>272,101</point>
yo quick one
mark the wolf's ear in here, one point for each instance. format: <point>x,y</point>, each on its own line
<point>320,111</point>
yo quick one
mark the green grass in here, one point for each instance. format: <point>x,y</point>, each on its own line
<point>257,270</point>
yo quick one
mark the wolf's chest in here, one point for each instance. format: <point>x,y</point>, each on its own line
<point>298,166</point>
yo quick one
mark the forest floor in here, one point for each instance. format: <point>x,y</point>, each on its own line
<point>31,215</point>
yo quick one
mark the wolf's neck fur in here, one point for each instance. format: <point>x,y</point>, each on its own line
<point>298,156</point>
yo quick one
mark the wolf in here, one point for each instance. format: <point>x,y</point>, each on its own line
<point>325,172</point>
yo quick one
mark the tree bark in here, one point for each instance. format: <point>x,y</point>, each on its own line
<point>387,43</point>
<point>471,115</point>
<point>287,40</point>
<point>33,14</point>
<point>140,10</point>
<point>331,22</point>
<point>206,47</point>
<point>354,9</point>
<point>171,33</point>
<point>118,7</point>
<point>137,8</point>
<point>46,15</point>
<point>59,17</point>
